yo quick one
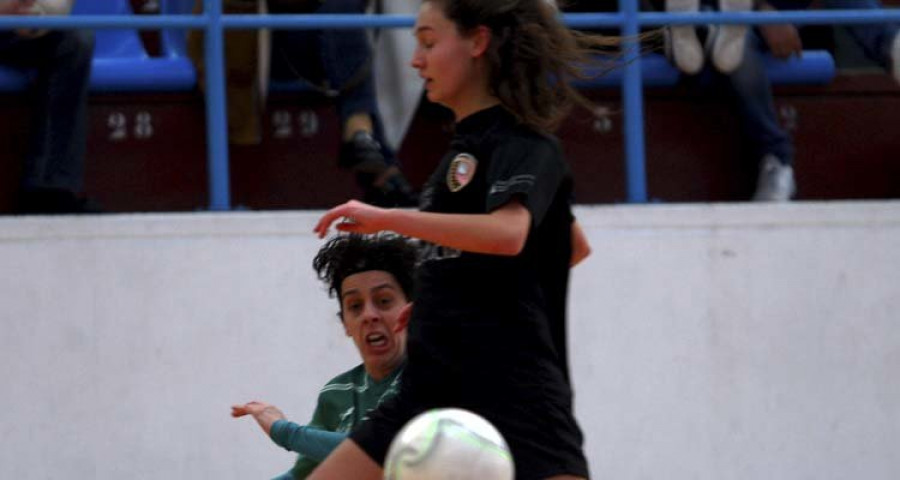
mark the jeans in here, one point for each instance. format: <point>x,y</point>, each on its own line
<point>875,39</point>
<point>752,89</point>
<point>752,93</point>
<point>340,60</point>
<point>61,61</point>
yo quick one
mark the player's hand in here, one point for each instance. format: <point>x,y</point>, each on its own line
<point>354,216</point>
<point>238,411</point>
<point>264,414</point>
<point>253,408</point>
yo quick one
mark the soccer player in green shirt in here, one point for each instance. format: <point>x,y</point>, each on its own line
<point>372,277</point>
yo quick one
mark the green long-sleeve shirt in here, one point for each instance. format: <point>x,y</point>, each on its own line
<point>343,402</point>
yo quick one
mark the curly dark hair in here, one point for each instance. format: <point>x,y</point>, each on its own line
<point>530,51</point>
<point>346,255</point>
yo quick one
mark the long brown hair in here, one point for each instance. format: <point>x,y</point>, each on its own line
<point>532,56</point>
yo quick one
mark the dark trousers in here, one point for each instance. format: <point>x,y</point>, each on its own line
<point>61,64</point>
<point>338,61</point>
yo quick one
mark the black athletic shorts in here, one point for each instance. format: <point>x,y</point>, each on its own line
<point>544,438</point>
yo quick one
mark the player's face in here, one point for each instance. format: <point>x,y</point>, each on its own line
<point>371,303</point>
<point>445,59</point>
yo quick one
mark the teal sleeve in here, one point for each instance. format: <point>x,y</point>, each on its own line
<point>310,442</point>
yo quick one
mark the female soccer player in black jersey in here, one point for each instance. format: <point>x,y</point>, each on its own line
<point>487,331</point>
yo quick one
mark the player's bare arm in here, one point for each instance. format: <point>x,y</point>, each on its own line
<point>501,232</point>
<point>580,246</point>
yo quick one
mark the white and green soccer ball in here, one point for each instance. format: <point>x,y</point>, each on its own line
<point>448,444</point>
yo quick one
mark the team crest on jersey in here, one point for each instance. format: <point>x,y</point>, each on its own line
<point>461,171</point>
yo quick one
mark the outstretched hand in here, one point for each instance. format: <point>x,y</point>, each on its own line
<point>264,414</point>
<point>357,217</point>
<point>783,40</point>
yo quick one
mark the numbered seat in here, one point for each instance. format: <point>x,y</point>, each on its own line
<point>814,67</point>
<point>174,41</point>
<point>108,44</point>
<point>120,62</point>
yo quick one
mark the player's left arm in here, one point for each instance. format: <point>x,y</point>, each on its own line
<point>313,443</point>
<point>581,248</point>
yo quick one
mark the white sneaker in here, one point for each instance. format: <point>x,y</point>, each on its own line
<point>682,44</point>
<point>895,57</point>
<point>729,41</point>
<point>775,182</point>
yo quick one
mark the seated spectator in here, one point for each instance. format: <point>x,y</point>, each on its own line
<point>372,277</point>
<point>54,165</point>
<point>739,60</point>
<point>336,62</point>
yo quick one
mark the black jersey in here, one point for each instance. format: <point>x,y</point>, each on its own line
<point>487,332</point>
<point>495,314</point>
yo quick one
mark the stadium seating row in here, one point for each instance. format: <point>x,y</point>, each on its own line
<point>121,62</point>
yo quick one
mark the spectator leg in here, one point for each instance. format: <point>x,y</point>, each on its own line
<point>773,146</point>
<point>242,82</point>
<point>347,62</point>
<point>59,129</point>
<point>54,166</point>
<point>879,41</point>
<point>752,92</point>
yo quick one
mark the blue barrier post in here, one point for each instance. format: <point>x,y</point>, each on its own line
<point>632,93</point>
<point>216,115</point>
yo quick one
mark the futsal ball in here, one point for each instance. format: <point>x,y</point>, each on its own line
<point>448,444</point>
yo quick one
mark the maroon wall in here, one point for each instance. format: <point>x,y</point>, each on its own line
<point>846,135</point>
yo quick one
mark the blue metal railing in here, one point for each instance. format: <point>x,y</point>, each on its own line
<point>628,19</point>
<point>219,179</point>
<point>633,99</point>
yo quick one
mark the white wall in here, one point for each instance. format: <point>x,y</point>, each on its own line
<point>708,342</point>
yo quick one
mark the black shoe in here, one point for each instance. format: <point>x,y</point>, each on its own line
<point>364,156</point>
<point>49,201</point>
<point>396,192</point>
<point>362,153</point>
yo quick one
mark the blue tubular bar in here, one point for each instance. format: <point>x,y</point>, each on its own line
<point>799,17</point>
<point>594,20</point>
<point>318,20</point>
<point>629,19</point>
<point>103,21</point>
<point>574,20</point>
<point>216,116</point>
<point>633,98</point>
